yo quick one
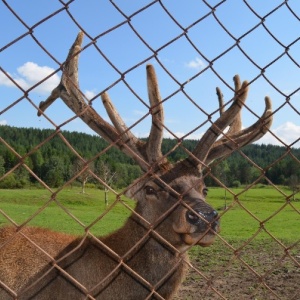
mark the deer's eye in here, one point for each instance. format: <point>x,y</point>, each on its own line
<point>150,190</point>
<point>205,192</point>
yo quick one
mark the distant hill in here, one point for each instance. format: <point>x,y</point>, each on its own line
<point>49,154</point>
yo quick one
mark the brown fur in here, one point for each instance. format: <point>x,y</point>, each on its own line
<point>19,257</point>
<point>141,264</point>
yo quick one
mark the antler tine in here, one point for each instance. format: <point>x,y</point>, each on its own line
<point>221,100</point>
<point>227,118</point>
<point>244,137</point>
<point>236,123</point>
<point>126,135</point>
<point>70,68</point>
<point>153,145</point>
<point>68,90</point>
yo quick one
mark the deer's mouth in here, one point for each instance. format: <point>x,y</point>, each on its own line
<point>203,240</point>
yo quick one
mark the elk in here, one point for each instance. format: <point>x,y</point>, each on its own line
<point>146,258</point>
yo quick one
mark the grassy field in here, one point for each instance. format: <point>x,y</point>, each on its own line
<point>259,213</point>
<point>260,209</point>
<point>20,205</point>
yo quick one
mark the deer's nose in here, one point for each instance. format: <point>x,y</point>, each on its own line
<point>213,219</point>
<point>202,219</point>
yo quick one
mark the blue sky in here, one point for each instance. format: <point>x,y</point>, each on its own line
<point>271,45</point>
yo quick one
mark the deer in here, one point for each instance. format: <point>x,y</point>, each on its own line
<point>147,258</point>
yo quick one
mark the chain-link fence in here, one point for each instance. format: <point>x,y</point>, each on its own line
<point>194,46</point>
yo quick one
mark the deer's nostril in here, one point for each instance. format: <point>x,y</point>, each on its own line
<point>211,216</point>
<point>214,214</point>
<point>193,218</point>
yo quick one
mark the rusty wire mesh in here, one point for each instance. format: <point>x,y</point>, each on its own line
<point>235,273</point>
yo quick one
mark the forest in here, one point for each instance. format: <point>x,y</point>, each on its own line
<point>47,154</point>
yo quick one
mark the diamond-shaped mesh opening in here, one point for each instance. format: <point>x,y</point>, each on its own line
<point>96,204</point>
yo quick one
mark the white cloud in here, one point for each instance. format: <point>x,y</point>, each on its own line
<point>192,136</point>
<point>139,112</point>
<point>288,92</point>
<point>89,94</point>
<point>196,63</point>
<point>168,135</point>
<point>3,122</point>
<point>28,75</point>
<point>288,132</point>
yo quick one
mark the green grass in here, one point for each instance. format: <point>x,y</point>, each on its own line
<point>21,205</point>
<point>270,213</point>
<point>258,210</point>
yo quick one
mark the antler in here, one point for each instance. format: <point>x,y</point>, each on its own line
<point>148,154</point>
<point>209,148</point>
<point>236,137</point>
<point>144,153</point>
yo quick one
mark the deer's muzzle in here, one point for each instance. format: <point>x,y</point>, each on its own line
<point>203,220</point>
<point>198,225</point>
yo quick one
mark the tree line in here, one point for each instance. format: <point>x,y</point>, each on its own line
<point>55,162</point>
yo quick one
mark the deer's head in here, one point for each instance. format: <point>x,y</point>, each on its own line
<point>170,197</point>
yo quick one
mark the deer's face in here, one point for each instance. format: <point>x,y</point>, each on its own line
<point>178,211</point>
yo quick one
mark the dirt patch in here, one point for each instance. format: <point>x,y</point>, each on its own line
<point>262,271</point>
